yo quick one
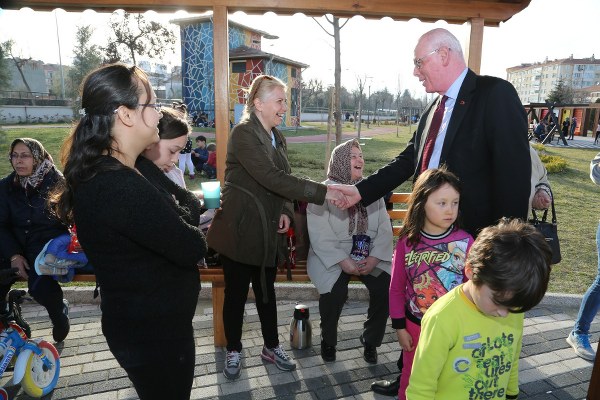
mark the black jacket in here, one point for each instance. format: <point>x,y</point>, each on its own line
<point>25,223</point>
<point>144,254</point>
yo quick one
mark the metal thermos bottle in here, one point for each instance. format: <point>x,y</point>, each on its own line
<point>300,328</point>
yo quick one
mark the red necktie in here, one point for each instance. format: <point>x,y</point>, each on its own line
<point>434,128</point>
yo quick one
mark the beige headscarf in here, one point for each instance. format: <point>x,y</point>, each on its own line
<point>340,171</point>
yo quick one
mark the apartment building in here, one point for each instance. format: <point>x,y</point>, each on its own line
<point>535,81</point>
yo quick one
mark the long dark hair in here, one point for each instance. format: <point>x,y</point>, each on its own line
<point>428,182</point>
<point>103,91</point>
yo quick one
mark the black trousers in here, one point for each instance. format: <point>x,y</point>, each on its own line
<point>331,304</point>
<point>237,282</point>
<point>43,288</point>
<point>167,374</point>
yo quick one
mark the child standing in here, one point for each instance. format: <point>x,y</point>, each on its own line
<point>428,261</point>
<point>471,338</point>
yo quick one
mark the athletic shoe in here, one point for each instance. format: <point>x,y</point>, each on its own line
<point>581,345</point>
<point>279,357</point>
<point>61,326</point>
<point>233,365</point>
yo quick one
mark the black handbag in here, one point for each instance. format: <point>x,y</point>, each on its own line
<point>548,229</point>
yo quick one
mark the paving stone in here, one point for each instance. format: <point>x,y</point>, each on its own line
<point>548,370</point>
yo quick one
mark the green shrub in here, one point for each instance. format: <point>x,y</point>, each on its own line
<point>554,164</point>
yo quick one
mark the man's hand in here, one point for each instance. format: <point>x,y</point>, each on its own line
<point>349,195</point>
<point>541,200</point>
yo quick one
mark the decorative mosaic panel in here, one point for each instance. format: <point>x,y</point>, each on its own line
<point>198,70</point>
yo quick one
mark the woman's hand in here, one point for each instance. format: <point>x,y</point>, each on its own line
<point>349,266</point>
<point>366,266</point>
<point>284,223</point>
<point>405,340</point>
<point>18,261</point>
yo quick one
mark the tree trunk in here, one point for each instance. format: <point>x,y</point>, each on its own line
<point>337,114</point>
<point>19,64</point>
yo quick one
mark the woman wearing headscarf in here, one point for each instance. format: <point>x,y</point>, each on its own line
<point>26,225</point>
<point>356,241</point>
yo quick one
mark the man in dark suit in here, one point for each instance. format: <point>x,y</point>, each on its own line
<point>482,138</point>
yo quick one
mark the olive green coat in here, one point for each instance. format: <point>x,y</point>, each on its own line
<point>257,181</point>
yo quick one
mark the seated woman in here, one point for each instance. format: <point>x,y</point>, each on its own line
<point>26,225</point>
<point>356,241</point>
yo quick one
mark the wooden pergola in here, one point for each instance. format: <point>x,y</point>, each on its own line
<point>477,13</point>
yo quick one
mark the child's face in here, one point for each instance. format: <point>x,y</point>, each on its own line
<point>441,210</point>
<point>483,297</point>
<point>165,153</point>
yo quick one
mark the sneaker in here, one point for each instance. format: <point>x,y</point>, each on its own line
<point>327,352</point>
<point>370,352</point>
<point>581,345</point>
<point>61,326</point>
<point>279,357</point>
<point>233,365</point>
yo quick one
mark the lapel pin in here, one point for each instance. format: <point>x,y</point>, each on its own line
<point>462,102</point>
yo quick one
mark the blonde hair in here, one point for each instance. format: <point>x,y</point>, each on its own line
<point>261,87</point>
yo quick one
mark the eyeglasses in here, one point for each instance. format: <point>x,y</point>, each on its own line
<point>156,106</point>
<point>23,156</point>
<point>419,61</point>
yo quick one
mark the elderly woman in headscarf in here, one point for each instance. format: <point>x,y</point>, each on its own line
<point>26,225</point>
<point>356,241</point>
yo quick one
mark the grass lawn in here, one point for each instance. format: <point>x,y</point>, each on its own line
<point>575,194</point>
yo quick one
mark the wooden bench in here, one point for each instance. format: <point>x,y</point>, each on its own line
<point>214,274</point>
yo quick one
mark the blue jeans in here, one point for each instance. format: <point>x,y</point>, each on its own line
<point>591,299</point>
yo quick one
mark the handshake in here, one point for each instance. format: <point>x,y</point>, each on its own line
<point>342,196</point>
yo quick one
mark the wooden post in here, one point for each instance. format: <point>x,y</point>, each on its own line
<point>218,298</point>
<point>221,60</point>
<point>475,44</point>
<point>594,388</point>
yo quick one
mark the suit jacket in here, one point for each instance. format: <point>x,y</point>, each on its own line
<point>485,146</point>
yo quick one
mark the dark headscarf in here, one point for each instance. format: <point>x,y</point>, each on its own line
<point>42,163</point>
<point>340,170</point>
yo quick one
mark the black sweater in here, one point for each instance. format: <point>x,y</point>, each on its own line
<point>144,254</point>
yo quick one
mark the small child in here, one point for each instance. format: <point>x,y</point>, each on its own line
<point>200,153</point>
<point>428,261</point>
<point>210,168</point>
<point>471,338</point>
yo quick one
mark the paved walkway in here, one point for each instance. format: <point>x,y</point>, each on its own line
<point>549,369</point>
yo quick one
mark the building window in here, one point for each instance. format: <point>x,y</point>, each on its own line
<point>293,72</point>
<point>238,67</point>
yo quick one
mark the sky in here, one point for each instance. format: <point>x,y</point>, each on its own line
<point>379,52</point>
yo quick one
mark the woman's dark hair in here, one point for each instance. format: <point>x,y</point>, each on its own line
<point>103,91</point>
<point>513,260</point>
<point>427,183</point>
<point>173,123</point>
